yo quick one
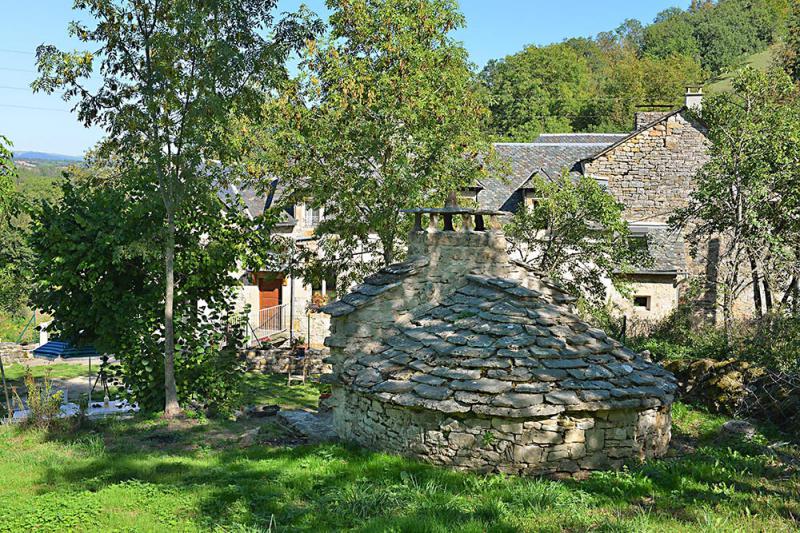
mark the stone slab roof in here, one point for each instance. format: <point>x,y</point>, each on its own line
<point>526,159</point>
<point>495,348</point>
<point>666,248</point>
<point>384,280</point>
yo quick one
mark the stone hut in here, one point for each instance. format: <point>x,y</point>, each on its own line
<point>461,357</point>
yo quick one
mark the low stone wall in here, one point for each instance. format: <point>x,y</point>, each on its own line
<point>13,353</point>
<point>740,389</point>
<point>560,446</point>
<point>276,361</point>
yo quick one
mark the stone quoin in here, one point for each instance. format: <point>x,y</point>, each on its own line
<point>462,357</point>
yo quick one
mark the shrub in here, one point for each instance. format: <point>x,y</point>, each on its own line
<point>44,405</point>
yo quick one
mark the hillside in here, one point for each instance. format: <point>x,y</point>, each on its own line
<point>761,60</point>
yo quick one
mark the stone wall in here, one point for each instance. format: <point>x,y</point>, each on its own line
<point>652,173</point>
<point>566,445</point>
<point>276,361</point>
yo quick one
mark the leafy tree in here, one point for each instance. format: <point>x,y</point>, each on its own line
<point>15,254</point>
<point>171,73</point>
<point>790,56</point>
<point>672,33</point>
<point>384,115</point>
<point>746,195</point>
<point>536,90</point>
<point>99,272</point>
<point>575,234</point>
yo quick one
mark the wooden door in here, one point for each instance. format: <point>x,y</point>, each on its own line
<point>269,292</point>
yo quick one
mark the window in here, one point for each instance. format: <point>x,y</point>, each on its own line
<point>313,215</point>
<point>641,302</point>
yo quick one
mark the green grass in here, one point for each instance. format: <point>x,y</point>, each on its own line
<point>262,389</point>
<point>16,371</point>
<point>143,475</point>
<point>760,61</point>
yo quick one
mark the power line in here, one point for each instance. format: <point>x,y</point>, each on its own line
<point>12,51</point>
<point>9,87</point>
<point>34,108</point>
<point>18,70</point>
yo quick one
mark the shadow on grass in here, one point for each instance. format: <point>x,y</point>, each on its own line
<point>331,487</point>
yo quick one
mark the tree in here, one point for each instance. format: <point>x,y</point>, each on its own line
<point>746,195</point>
<point>99,272</point>
<point>15,254</point>
<point>790,56</point>
<point>671,33</point>
<point>575,234</point>
<point>171,74</point>
<point>540,89</point>
<point>384,115</point>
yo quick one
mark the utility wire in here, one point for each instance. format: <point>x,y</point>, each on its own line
<point>34,108</point>
<point>12,51</point>
<point>18,70</point>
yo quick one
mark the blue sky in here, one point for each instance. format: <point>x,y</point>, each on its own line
<point>495,28</point>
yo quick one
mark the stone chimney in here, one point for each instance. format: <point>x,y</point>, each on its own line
<point>458,241</point>
<point>694,97</point>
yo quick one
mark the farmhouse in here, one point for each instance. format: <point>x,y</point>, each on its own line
<point>649,170</point>
<point>462,357</point>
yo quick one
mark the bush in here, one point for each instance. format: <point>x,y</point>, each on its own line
<point>44,405</point>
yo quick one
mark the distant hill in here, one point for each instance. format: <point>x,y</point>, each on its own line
<point>44,156</point>
<point>760,61</point>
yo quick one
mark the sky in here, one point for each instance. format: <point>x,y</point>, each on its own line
<point>495,28</point>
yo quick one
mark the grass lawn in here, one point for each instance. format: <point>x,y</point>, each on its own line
<point>145,475</point>
<point>16,371</point>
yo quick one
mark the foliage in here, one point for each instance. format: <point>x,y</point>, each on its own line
<point>172,73</point>
<point>384,115</point>
<point>746,195</point>
<point>98,274</point>
<point>535,90</point>
<point>15,255</point>
<point>42,402</point>
<point>790,59</point>
<point>595,84</point>
<point>575,234</point>
<point>144,475</point>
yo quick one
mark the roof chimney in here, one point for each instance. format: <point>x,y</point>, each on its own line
<point>694,97</point>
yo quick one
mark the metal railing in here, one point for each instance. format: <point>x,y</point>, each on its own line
<point>272,320</point>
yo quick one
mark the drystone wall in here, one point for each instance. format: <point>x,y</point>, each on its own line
<point>276,361</point>
<point>566,445</point>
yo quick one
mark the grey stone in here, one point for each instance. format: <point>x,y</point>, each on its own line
<point>532,388</point>
<point>486,385</point>
<point>432,393</point>
<point>456,373</point>
<point>517,399</point>
<point>428,379</point>
<point>564,363</point>
<point>393,386</point>
<point>549,374</point>
<point>562,397</point>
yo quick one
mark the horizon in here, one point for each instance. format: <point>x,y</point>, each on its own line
<point>44,123</point>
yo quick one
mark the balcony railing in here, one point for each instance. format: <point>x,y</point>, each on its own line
<point>271,321</point>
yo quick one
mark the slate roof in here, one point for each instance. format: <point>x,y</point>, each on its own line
<point>666,248</point>
<point>495,348</point>
<point>255,202</point>
<point>600,138</point>
<point>385,279</point>
<point>526,159</point>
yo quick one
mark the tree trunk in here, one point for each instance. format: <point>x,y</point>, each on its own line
<point>756,285</point>
<point>171,406</point>
<point>767,296</point>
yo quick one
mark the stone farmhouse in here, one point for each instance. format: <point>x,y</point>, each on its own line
<point>463,357</point>
<point>649,170</point>
<point>279,301</point>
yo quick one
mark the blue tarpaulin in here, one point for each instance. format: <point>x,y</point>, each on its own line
<point>56,349</point>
